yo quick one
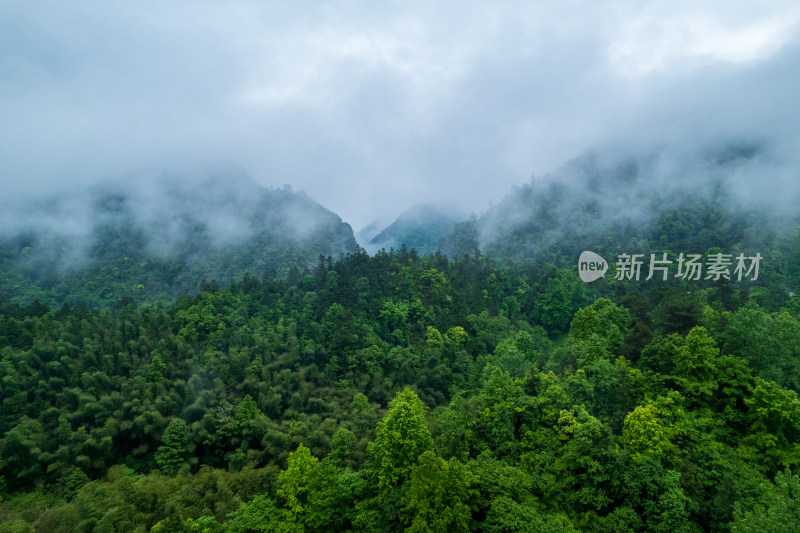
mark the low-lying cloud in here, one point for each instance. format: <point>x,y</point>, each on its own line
<point>372,108</point>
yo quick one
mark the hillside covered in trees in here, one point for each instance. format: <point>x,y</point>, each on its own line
<point>420,227</point>
<point>405,392</point>
<point>572,303</point>
<point>647,200</point>
<point>152,238</point>
<point>225,358</point>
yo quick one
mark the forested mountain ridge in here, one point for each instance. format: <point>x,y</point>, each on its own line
<point>420,227</point>
<point>152,238</point>
<point>398,391</point>
<point>665,198</point>
<point>408,392</point>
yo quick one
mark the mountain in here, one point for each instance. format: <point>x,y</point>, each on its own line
<point>687,200</point>
<point>156,237</point>
<point>526,397</point>
<point>420,227</point>
<point>369,232</point>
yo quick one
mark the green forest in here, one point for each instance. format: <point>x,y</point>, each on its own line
<point>400,392</point>
<point>399,267</point>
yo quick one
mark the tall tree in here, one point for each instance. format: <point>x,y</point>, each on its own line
<point>402,436</point>
<point>173,452</point>
<point>439,495</point>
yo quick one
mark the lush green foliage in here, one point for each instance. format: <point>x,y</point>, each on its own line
<point>119,243</point>
<point>400,392</point>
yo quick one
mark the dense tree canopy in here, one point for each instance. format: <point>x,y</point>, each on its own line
<point>403,392</point>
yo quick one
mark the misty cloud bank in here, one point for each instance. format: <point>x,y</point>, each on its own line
<point>630,197</point>
<point>160,235</point>
<point>229,209</point>
<point>374,108</point>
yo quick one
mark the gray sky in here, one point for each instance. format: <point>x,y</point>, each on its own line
<point>372,107</point>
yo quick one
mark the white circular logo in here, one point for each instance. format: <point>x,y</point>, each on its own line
<point>591,266</point>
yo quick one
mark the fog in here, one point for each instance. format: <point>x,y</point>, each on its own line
<point>170,219</point>
<point>374,108</point>
<point>631,187</point>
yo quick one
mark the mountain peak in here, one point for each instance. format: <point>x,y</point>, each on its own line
<point>161,235</point>
<point>419,227</point>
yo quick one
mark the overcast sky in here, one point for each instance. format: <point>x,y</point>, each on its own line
<point>372,107</point>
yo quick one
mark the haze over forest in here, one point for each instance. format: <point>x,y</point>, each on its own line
<point>374,109</point>
<point>312,267</point>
